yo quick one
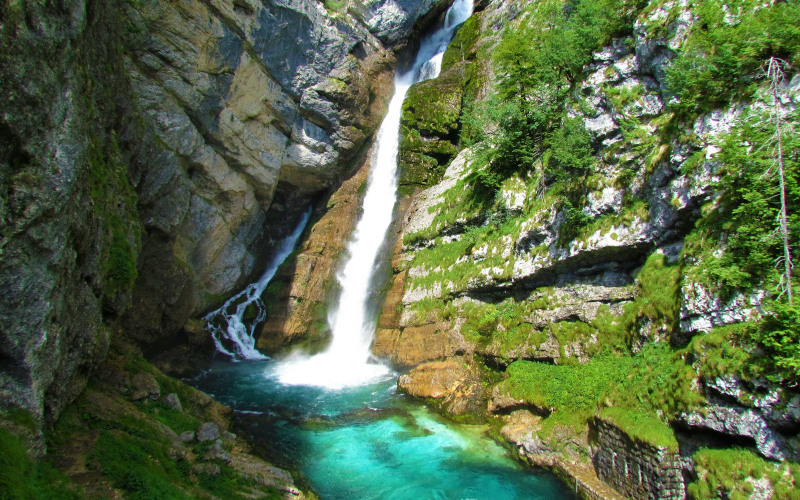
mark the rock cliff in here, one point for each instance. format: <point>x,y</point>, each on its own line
<point>582,221</point>
<point>149,153</point>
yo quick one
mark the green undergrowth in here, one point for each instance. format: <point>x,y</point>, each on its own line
<point>131,443</point>
<point>639,393</point>
<point>22,478</point>
<point>729,473</point>
<point>631,391</point>
<point>570,392</point>
<point>661,380</point>
<point>727,46</point>
<point>736,243</point>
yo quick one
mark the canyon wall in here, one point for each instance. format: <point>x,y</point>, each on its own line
<point>150,151</point>
<point>596,248</point>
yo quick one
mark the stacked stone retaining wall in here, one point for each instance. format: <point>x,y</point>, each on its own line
<point>636,469</point>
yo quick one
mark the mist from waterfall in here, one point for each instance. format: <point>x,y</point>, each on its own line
<point>346,362</point>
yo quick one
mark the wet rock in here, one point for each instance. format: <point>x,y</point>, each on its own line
<point>264,473</point>
<point>417,344</point>
<point>207,432</point>
<point>300,305</point>
<point>173,402</point>
<point>388,20</point>
<point>519,426</point>
<point>455,384</point>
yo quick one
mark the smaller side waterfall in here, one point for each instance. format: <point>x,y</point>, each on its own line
<point>227,324</point>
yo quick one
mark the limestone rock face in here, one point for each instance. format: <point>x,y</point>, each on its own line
<point>246,101</point>
<point>389,20</point>
<point>738,421</point>
<point>150,150</point>
<point>299,293</point>
<point>454,384</point>
<point>69,233</point>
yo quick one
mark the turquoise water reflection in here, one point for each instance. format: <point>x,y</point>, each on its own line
<point>369,442</point>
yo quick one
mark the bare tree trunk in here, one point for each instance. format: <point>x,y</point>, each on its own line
<point>775,73</point>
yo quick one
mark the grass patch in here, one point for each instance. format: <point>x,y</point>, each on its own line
<point>22,478</point>
<point>725,474</point>
<point>572,393</point>
<point>138,466</point>
<point>643,427</point>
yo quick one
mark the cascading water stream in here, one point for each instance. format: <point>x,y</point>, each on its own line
<point>337,417</point>
<point>346,362</point>
<point>228,327</point>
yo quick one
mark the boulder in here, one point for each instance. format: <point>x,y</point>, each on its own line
<point>453,384</point>
<point>207,432</point>
<point>172,401</point>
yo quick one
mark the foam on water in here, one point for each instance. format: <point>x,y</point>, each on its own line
<point>232,335</point>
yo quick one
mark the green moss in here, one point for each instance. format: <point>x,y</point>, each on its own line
<point>21,418</point>
<point>429,129</point>
<point>115,211</point>
<point>642,426</point>
<point>464,45</point>
<point>724,474</point>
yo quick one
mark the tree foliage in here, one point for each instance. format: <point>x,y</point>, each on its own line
<point>728,44</point>
<point>538,63</point>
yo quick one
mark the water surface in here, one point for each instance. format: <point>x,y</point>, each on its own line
<point>369,442</point>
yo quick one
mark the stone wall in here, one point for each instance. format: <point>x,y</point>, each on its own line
<point>636,469</point>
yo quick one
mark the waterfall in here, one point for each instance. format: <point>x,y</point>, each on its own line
<point>346,362</point>
<point>228,327</point>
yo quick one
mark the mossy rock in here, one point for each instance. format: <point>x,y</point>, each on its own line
<point>464,45</point>
<point>429,129</point>
<point>434,106</point>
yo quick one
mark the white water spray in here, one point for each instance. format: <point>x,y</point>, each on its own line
<point>346,362</point>
<point>229,327</point>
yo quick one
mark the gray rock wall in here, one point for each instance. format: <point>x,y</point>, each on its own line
<point>635,469</point>
<point>142,147</point>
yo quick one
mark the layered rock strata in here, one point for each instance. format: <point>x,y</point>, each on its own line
<point>505,279</point>
<point>149,152</point>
